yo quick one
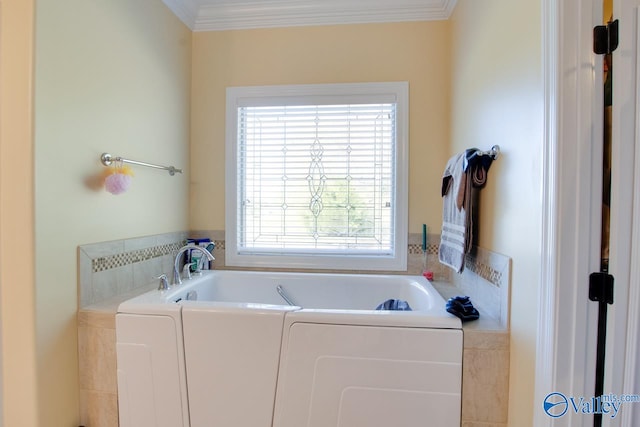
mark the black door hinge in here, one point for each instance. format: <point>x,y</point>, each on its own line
<point>601,287</point>
<point>605,38</point>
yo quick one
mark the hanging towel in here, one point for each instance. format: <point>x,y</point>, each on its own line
<point>455,193</point>
<point>464,173</point>
<point>477,166</point>
<point>476,158</point>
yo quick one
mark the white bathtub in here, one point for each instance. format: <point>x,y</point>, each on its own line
<point>241,356</point>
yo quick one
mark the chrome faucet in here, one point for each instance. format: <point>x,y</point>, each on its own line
<point>163,285</point>
<point>176,272</point>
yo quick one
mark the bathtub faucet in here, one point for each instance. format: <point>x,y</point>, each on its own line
<point>176,272</point>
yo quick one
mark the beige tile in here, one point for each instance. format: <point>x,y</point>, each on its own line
<point>97,359</point>
<point>486,339</point>
<point>476,424</point>
<point>220,255</point>
<point>97,319</point>
<point>415,264</point>
<point>98,409</point>
<point>485,385</point>
<point>440,271</point>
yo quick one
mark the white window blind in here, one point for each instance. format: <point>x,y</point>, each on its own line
<point>316,178</point>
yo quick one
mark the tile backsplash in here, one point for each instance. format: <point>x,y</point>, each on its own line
<point>417,261</point>
<point>119,267</point>
<point>486,279</point>
<point>122,267</point>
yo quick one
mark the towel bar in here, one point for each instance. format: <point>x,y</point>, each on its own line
<point>494,152</point>
<point>107,159</point>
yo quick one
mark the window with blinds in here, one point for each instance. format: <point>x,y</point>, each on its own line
<point>316,176</point>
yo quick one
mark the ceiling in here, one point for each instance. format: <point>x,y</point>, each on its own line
<point>217,15</point>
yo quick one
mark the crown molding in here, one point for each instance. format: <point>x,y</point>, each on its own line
<point>185,10</point>
<point>219,15</point>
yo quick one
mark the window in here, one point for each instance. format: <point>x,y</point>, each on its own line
<point>317,176</point>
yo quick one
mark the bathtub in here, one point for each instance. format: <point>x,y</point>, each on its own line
<point>264,349</point>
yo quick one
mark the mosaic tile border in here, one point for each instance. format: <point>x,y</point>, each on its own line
<point>486,280</point>
<point>131,257</point>
<point>413,249</point>
<point>109,262</point>
<point>472,264</point>
<point>485,271</point>
<point>416,249</point>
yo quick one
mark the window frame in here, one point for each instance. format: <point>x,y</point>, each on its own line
<point>341,93</point>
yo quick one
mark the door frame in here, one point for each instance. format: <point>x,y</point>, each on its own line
<point>569,252</point>
<point>572,167</point>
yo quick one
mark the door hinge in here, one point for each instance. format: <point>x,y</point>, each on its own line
<point>605,38</point>
<point>601,287</point>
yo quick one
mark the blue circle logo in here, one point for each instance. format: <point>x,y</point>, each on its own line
<point>555,404</point>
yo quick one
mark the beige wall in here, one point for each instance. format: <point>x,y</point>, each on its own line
<point>18,395</point>
<point>497,98</point>
<point>109,76</point>
<point>114,76</point>
<point>413,52</point>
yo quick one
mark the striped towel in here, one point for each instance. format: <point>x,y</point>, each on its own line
<point>453,239</point>
<point>457,208</point>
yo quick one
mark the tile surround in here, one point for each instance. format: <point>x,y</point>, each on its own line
<point>139,255</point>
<point>109,269</point>
<point>97,369</point>
<point>483,268</point>
<point>122,267</point>
<point>486,279</point>
<point>417,261</point>
<point>485,373</point>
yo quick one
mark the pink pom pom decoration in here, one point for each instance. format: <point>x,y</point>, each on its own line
<point>117,183</point>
